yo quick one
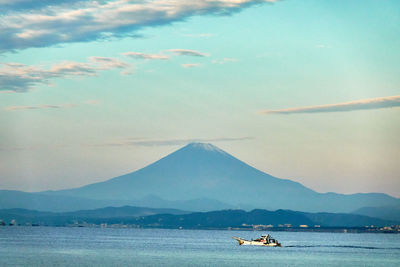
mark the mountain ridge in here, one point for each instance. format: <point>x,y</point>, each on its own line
<point>385,212</point>
<point>171,218</point>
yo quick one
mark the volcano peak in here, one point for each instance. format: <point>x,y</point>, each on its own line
<point>204,146</point>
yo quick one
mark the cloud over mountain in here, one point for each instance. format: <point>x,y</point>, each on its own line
<point>172,142</point>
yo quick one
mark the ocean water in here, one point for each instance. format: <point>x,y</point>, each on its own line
<point>62,246</point>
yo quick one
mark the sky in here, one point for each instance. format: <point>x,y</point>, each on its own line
<point>306,90</point>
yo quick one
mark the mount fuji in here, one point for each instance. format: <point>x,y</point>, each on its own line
<point>201,176</point>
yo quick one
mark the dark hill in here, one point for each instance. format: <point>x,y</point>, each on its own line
<point>239,218</point>
<point>167,218</point>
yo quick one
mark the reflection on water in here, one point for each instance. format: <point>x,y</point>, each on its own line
<point>60,246</point>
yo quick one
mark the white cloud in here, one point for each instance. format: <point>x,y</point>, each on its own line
<point>190,65</point>
<point>54,22</point>
<point>139,55</point>
<point>16,77</point>
<point>109,63</point>
<point>188,52</point>
<point>371,103</point>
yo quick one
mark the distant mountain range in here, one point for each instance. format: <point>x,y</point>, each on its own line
<point>197,177</point>
<point>55,203</point>
<point>170,218</point>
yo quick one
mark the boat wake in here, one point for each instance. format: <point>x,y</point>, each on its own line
<point>337,246</point>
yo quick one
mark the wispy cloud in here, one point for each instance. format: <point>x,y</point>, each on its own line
<point>93,102</point>
<point>322,46</point>
<point>45,106</point>
<point>190,65</point>
<point>51,106</point>
<point>105,63</point>
<point>188,52</point>
<point>46,23</point>
<point>171,142</point>
<point>139,55</point>
<point>371,103</point>
<point>16,77</point>
<point>224,60</point>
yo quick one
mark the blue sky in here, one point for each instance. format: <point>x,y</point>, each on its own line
<point>92,90</point>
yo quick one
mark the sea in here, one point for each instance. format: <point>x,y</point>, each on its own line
<point>69,246</point>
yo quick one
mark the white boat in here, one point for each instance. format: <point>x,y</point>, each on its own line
<point>264,240</point>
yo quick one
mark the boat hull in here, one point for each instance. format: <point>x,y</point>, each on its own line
<point>255,243</point>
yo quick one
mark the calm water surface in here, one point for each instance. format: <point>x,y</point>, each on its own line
<point>59,246</point>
